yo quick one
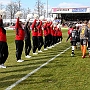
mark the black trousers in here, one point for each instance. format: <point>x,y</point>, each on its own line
<point>40,42</point>
<point>88,44</point>
<point>49,40</point>
<point>55,39</point>
<point>52,43</point>
<point>19,48</point>
<point>35,43</point>
<point>3,52</point>
<point>45,41</point>
<point>27,46</point>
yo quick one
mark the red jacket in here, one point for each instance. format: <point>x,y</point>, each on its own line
<point>45,29</point>
<point>34,28</point>
<point>52,31</point>
<point>19,31</point>
<point>55,31</point>
<point>48,27</point>
<point>70,30</point>
<point>39,27</point>
<point>59,32</point>
<point>2,35</point>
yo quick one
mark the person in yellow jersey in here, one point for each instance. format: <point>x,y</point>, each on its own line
<point>83,38</point>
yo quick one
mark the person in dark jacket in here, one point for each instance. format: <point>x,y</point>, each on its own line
<point>27,39</point>
<point>19,38</point>
<point>73,36</point>
<point>3,45</point>
<point>88,37</point>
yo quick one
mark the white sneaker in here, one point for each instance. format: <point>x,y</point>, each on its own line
<point>52,45</point>
<point>57,43</point>
<point>39,51</point>
<point>2,66</point>
<point>35,53</point>
<point>20,60</point>
<point>49,47</point>
<point>27,56</point>
<point>45,49</point>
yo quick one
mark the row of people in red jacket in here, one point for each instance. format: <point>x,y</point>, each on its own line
<point>47,34</point>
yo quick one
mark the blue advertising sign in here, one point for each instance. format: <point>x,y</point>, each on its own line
<point>79,9</point>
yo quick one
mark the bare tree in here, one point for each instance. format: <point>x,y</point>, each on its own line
<point>39,8</point>
<point>25,12</point>
<point>28,10</point>
<point>19,4</point>
<point>1,6</point>
<point>11,9</point>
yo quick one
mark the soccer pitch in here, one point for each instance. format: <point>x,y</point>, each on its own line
<point>53,69</point>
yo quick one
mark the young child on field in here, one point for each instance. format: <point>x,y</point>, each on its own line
<point>73,36</point>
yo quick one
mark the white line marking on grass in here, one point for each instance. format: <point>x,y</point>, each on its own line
<point>25,77</point>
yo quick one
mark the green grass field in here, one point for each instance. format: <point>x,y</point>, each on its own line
<point>63,73</point>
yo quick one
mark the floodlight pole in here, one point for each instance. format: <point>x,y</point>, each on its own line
<point>47,8</point>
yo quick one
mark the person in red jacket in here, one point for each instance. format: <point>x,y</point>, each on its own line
<point>35,34</point>
<point>40,34</point>
<point>55,33</point>
<point>49,23</point>
<point>70,30</point>
<point>45,35</point>
<point>19,38</point>
<point>52,34</point>
<point>59,34</point>
<point>3,45</point>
